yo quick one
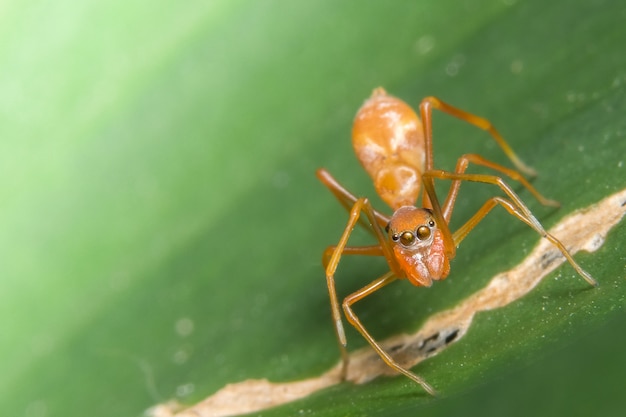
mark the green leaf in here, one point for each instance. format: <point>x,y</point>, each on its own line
<point>162,228</point>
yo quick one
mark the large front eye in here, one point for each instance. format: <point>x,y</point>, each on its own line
<point>423,232</point>
<point>407,238</point>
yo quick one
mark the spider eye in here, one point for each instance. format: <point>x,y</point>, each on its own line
<point>431,223</point>
<point>407,238</point>
<point>395,237</point>
<point>423,232</point>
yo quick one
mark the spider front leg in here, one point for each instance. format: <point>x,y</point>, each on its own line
<point>361,205</point>
<point>515,206</point>
<point>354,320</point>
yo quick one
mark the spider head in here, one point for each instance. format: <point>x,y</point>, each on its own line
<point>418,245</point>
<point>411,228</point>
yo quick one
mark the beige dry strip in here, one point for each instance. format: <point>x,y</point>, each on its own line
<point>583,230</point>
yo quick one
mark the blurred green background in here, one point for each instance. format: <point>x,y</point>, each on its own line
<point>161,227</point>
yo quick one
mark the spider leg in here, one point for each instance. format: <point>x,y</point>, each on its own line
<point>331,261</point>
<point>345,197</point>
<point>429,103</point>
<point>515,206</point>
<point>371,250</point>
<point>462,164</point>
<point>354,320</point>
<point>429,197</point>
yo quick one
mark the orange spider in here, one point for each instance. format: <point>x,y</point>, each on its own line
<point>395,149</point>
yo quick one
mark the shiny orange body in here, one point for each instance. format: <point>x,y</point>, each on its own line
<point>388,139</point>
<point>395,148</point>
